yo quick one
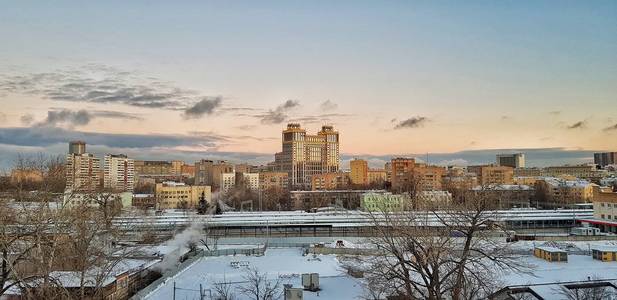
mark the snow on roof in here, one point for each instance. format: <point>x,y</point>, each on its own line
<point>550,249</point>
<point>288,264</point>
<point>142,195</point>
<point>605,248</point>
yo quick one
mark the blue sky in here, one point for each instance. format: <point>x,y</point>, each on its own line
<point>393,76</point>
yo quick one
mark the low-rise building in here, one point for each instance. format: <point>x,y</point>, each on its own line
<point>144,200</point>
<point>490,175</point>
<point>180,195</point>
<point>347,199</point>
<point>330,181</point>
<point>559,193</point>
<point>604,253</point>
<point>377,176</point>
<point>383,202</point>
<point>552,254</point>
<point>507,196</point>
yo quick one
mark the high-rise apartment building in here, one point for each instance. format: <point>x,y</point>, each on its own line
<point>516,160</point>
<point>176,167</point>
<point>227,181</point>
<point>83,172</point>
<point>77,147</point>
<point>400,169</point>
<point>119,173</point>
<point>604,159</point>
<point>208,172</point>
<point>269,180</point>
<point>248,180</point>
<point>153,168</point>
<point>306,155</point>
<point>359,171</point>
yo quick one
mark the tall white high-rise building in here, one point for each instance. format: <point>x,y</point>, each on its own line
<point>119,173</point>
<point>83,172</point>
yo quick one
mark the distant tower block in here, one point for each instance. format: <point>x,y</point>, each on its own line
<point>77,147</point>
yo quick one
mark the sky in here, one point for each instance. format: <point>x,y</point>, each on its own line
<point>200,79</point>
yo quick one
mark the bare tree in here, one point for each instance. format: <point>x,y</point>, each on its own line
<point>591,292</point>
<point>223,290</point>
<point>259,287</point>
<point>437,254</point>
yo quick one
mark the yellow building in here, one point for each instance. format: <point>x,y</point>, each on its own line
<point>604,253</point>
<point>377,176</point>
<point>26,175</point>
<point>550,254</point>
<point>525,180</point>
<point>489,175</point>
<point>359,171</point>
<point>180,195</point>
<point>559,193</point>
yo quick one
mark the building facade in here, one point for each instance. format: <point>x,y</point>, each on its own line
<point>305,155</point>
<point>330,181</point>
<point>83,172</point>
<point>559,193</point>
<point>77,147</point>
<point>179,195</point>
<point>227,181</point>
<point>119,173</point>
<point>248,180</point>
<point>377,176</point>
<point>400,170</point>
<point>516,160</point>
<point>359,171</point>
<point>493,175</point>
<point>383,202</point>
<point>347,199</point>
<point>604,159</point>
<point>268,180</point>
<point>208,172</point>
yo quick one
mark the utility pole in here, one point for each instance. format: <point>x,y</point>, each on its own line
<point>174,297</point>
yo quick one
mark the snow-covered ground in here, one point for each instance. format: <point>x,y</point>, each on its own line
<point>287,264</point>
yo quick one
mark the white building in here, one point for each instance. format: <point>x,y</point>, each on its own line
<point>83,172</point>
<point>119,174</point>
<point>228,182</point>
<point>251,181</point>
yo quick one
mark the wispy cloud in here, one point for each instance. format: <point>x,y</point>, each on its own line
<point>102,84</point>
<point>413,122</point>
<point>204,107</point>
<point>26,119</point>
<point>578,125</point>
<point>279,114</point>
<point>66,117</point>
<point>328,106</point>
<point>70,118</point>
<point>610,128</point>
<point>554,112</point>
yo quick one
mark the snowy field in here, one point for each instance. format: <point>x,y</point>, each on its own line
<point>287,264</point>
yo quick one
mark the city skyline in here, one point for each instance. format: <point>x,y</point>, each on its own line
<point>403,79</point>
